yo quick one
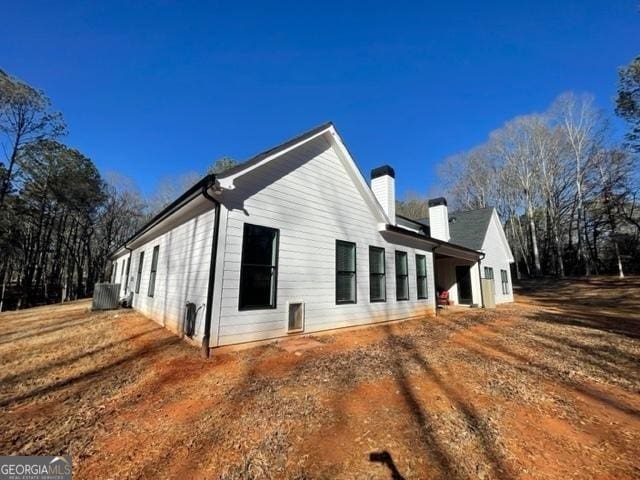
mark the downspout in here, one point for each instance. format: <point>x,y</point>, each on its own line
<point>206,338</point>
<point>126,283</point>
<point>480,277</point>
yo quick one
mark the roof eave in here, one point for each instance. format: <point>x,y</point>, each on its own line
<point>431,240</point>
<point>204,183</point>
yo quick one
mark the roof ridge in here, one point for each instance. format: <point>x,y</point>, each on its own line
<point>281,146</point>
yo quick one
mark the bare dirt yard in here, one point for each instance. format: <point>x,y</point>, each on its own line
<point>548,388</point>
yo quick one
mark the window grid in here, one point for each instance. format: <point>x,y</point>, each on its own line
<point>346,276</point>
<point>488,273</point>
<point>139,276</point>
<point>259,268</point>
<point>154,269</point>
<point>505,282</point>
<point>377,275</point>
<point>421,277</point>
<point>126,284</point>
<point>402,276</point>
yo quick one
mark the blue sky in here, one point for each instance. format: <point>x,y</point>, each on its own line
<point>155,89</point>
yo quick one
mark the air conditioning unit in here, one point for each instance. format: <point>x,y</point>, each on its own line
<point>105,296</point>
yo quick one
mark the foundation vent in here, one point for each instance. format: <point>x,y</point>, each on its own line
<point>296,317</point>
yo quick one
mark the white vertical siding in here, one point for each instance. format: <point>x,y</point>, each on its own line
<point>497,258</point>
<point>308,195</point>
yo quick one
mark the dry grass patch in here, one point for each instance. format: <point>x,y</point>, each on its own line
<point>545,388</point>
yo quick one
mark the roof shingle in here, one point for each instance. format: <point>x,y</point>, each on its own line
<point>468,228</point>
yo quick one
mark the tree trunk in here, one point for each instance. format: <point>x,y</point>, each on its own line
<point>6,182</point>
<point>581,224</point>
<point>521,244</point>
<point>6,277</point>
<point>617,250</point>
<point>534,240</point>
<point>559,252</point>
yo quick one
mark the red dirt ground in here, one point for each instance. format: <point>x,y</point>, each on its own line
<point>545,388</point>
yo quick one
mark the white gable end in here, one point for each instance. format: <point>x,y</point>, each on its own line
<point>311,196</point>
<point>498,257</point>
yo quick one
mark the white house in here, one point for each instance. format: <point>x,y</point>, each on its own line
<point>295,241</point>
<point>480,230</point>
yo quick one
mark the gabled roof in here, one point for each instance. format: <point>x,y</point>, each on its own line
<point>225,179</point>
<point>255,160</point>
<point>468,228</point>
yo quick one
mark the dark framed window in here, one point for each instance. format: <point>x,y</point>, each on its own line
<point>345,272</point>
<point>126,281</point>
<point>402,276</point>
<point>139,276</point>
<point>377,275</point>
<point>488,272</point>
<point>421,277</point>
<point>259,267</point>
<point>505,281</point>
<point>154,269</point>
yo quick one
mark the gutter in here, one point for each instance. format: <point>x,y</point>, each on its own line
<point>206,338</point>
<point>178,203</point>
<point>480,277</point>
<point>435,274</point>
<point>126,285</point>
<point>435,241</point>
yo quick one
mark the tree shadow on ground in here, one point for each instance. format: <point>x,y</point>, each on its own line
<point>22,376</point>
<point>533,365</point>
<point>408,351</point>
<point>8,337</point>
<point>94,373</point>
<point>591,319</point>
<point>596,292</point>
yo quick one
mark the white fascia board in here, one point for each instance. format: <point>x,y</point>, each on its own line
<point>226,183</point>
<point>452,251</point>
<point>503,236</point>
<point>358,178</point>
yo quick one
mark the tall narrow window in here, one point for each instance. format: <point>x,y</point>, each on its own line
<point>377,279</point>
<point>139,276</point>
<point>488,273</point>
<point>505,281</point>
<point>402,276</point>
<point>126,280</point>
<point>121,272</point>
<point>154,269</point>
<point>259,267</point>
<point>421,276</point>
<point>345,272</point>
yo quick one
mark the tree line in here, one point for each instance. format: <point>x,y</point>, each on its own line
<point>59,216</point>
<point>569,196</point>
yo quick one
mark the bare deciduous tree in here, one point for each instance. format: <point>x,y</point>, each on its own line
<point>25,117</point>
<point>568,202</point>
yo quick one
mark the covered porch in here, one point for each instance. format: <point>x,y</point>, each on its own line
<point>457,272</point>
